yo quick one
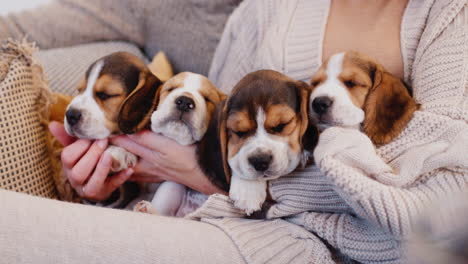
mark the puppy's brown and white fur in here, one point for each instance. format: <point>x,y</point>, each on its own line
<point>102,108</point>
<point>262,130</point>
<point>185,106</point>
<point>352,90</point>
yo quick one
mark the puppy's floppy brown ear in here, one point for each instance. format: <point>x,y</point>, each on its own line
<point>136,110</point>
<point>218,94</point>
<point>223,140</point>
<point>388,107</point>
<point>222,96</point>
<point>308,130</point>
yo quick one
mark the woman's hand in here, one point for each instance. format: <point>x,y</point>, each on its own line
<point>163,159</point>
<point>85,167</point>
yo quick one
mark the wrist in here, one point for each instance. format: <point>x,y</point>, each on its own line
<point>204,185</point>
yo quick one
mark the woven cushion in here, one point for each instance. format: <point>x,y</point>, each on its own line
<point>24,161</point>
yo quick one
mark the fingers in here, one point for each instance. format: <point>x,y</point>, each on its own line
<point>94,187</point>
<point>135,148</point>
<point>83,168</point>
<point>152,140</point>
<point>143,167</point>
<point>117,180</point>
<point>58,131</point>
<point>72,153</point>
<point>100,186</point>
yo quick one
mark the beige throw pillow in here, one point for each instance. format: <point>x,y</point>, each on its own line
<point>24,160</point>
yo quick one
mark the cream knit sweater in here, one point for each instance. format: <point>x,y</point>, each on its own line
<point>352,205</point>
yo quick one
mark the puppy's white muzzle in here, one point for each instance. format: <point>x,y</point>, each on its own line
<point>91,123</point>
<point>184,126</point>
<point>340,110</point>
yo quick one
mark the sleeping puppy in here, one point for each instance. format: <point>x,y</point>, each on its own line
<point>264,134</point>
<point>352,90</point>
<point>114,98</point>
<point>185,106</point>
<point>261,132</point>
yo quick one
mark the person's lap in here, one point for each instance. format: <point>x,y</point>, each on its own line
<point>38,230</point>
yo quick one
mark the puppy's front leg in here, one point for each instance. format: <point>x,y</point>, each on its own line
<point>122,159</point>
<point>145,207</point>
<point>247,195</point>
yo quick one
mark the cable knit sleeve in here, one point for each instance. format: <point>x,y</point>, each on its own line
<point>238,46</point>
<point>428,160</point>
<point>431,143</point>
<point>71,22</point>
<point>430,157</point>
<point>440,71</point>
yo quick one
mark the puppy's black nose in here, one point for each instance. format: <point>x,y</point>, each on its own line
<point>260,162</point>
<point>73,116</point>
<point>321,104</point>
<point>184,103</point>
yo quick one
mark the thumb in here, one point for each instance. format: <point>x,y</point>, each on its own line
<point>58,131</point>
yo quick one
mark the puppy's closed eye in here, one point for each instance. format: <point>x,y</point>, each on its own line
<point>349,83</point>
<point>281,126</point>
<point>104,96</point>
<point>278,128</point>
<point>240,133</point>
<point>315,83</point>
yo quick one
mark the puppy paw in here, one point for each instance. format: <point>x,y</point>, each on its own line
<point>122,159</point>
<point>248,206</point>
<point>144,207</point>
<point>248,196</point>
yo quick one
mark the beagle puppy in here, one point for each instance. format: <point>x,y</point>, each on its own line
<point>114,98</point>
<point>264,134</point>
<point>185,106</point>
<point>259,133</point>
<point>352,90</point>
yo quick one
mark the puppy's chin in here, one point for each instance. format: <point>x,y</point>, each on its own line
<point>182,130</point>
<point>87,131</point>
<point>176,130</point>
<point>341,117</point>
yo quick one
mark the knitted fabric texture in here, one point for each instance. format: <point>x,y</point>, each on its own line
<point>364,211</point>
<point>24,164</point>
<point>319,217</point>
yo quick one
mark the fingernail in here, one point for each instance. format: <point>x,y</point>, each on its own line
<point>129,172</point>
<point>107,158</point>
<point>52,124</point>
<point>102,143</point>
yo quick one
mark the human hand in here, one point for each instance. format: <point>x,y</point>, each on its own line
<point>85,166</point>
<point>162,159</point>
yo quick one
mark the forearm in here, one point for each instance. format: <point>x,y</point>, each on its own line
<point>395,208</point>
<point>354,237</point>
<point>439,76</point>
<point>305,190</point>
<point>70,22</point>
